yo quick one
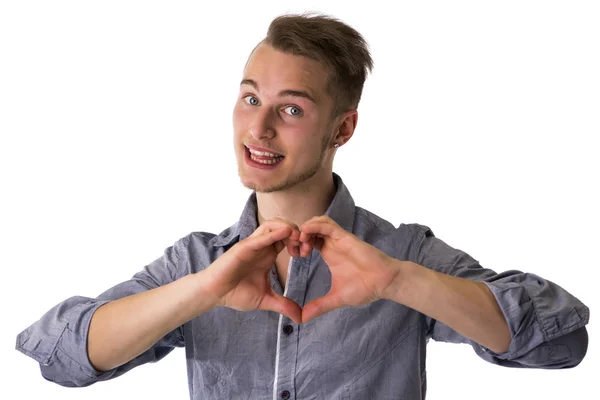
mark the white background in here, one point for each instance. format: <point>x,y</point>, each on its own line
<point>480,120</point>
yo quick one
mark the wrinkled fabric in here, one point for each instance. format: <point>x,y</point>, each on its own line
<point>376,351</point>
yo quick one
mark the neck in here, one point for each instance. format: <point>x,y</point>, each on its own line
<point>299,203</point>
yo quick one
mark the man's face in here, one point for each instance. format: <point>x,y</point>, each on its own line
<point>284,113</point>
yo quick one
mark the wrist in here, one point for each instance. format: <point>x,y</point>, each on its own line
<point>403,283</point>
<point>205,293</point>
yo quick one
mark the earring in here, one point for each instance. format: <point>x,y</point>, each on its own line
<point>336,145</point>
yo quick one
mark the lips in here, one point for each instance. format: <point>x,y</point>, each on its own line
<point>262,159</point>
<point>263,152</point>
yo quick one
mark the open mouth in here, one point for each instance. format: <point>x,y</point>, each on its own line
<point>263,157</point>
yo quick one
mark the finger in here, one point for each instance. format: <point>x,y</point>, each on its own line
<point>285,221</point>
<point>321,218</point>
<point>321,227</point>
<point>307,246</point>
<point>295,235</point>
<point>320,306</point>
<point>293,249</point>
<point>269,238</point>
<point>275,302</point>
<point>279,245</point>
<point>293,244</point>
<point>318,243</point>
<point>274,224</point>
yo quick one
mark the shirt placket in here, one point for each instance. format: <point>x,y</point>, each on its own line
<point>288,332</point>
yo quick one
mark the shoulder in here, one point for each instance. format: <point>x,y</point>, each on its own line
<point>199,249</point>
<point>403,240</point>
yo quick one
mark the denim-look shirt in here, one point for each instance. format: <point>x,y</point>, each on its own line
<point>375,351</point>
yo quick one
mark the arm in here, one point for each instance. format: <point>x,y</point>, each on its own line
<point>59,339</point>
<point>82,340</point>
<point>466,306</point>
<point>512,319</point>
<point>546,323</point>
<point>125,328</point>
<point>121,330</point>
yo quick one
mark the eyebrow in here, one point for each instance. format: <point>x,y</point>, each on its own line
<point>283,93</point>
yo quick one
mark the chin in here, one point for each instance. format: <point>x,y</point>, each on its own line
<point>260,184</point>
<point>260,188</point>
<point>252,184</point>
<point>279,185</point>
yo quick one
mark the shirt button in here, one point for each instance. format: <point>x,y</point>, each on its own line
<point>288,329</point>
<point>285,395</point>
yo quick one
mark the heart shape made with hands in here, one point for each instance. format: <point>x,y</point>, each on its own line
<point>360,272</point>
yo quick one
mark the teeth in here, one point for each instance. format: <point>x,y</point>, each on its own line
<point>272,161</point>
<point>263,153</point>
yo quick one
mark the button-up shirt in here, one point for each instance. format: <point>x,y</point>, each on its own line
<point>375,351</point>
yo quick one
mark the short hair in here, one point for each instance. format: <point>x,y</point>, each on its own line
<point>333,43</point>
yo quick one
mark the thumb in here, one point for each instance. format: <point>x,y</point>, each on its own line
<point>275,302</point>
<point>320,306</point>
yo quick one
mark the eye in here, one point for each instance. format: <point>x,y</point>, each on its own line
<point>253,101</point>
<point>293,110</point>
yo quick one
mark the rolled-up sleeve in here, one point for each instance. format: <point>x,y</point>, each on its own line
<point>547,323</point>
<point>58,340</point>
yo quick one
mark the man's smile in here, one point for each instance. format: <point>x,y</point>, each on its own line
<point>262,158</point>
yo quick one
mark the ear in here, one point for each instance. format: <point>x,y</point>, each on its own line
<point>346,127</point>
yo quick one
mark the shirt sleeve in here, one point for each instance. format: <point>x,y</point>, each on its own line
<point>58,340</point>
<point>547,323</point>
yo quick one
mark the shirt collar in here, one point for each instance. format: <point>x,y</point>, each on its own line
<point>341,210</point>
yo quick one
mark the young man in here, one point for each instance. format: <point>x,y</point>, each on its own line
<point>307,295</point>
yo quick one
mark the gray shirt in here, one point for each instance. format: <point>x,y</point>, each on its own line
<point>376,351</point>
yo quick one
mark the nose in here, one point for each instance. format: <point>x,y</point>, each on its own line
<point>261,127</point>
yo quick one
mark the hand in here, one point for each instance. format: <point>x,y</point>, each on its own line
<point>240,277</point>
<point>360,273</point>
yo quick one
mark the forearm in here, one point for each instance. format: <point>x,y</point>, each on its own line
<point>466,306</point>
<point>123,329</point>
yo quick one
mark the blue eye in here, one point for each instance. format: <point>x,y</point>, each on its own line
<point>253,101</point>
<point>293,110</point>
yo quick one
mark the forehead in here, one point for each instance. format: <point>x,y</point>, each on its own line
<point>274,70</point>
